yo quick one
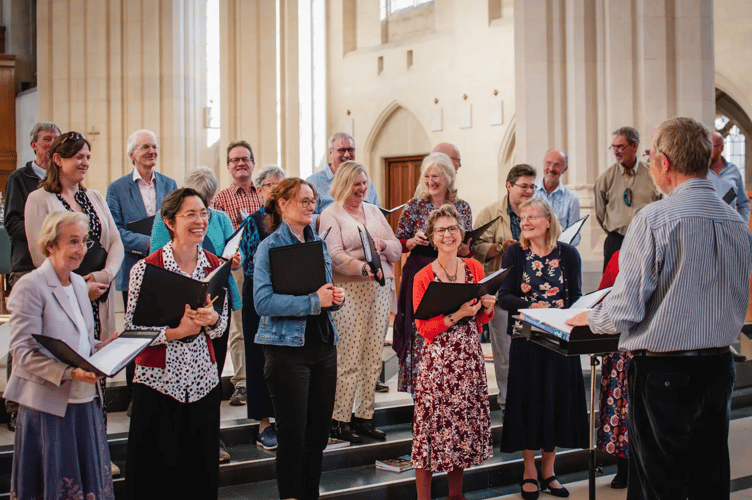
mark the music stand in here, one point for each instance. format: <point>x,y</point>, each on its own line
<point>581,341</point>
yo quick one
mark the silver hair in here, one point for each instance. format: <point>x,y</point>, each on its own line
<point>338,136</point>
<point>202,180</point>
<point>43,127</point>
<point>53,225</point>
<point>132,143</point>
<point>268,171</point>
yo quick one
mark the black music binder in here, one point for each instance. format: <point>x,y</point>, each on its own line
<point>298,269</point>
<point>142,226</point>
<point>372,257</point>
<point>444,298</point>
<point>478,232</point>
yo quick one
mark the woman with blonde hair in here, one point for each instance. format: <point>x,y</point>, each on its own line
<point>364,319</point>
<point>434,190</point>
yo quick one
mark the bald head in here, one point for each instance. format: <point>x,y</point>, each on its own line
<point>452,151</point>
<point>554,166</point>
<point>717,140</point>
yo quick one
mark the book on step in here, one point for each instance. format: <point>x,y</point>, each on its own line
<point>444,298</point>
<point>164,294</point>
<point>108,361</point>
<point>399,464</point>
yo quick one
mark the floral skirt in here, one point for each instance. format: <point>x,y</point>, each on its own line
<point>451,423</point>
<point>614,410</point>
<point>58,458</point>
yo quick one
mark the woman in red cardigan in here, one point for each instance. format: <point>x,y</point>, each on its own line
<point>451,428</point>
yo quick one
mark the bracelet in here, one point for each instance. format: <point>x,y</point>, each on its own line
<point>451,319</point>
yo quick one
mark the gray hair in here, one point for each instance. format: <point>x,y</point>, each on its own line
<point>339,136</point>
<point>202,180</point>
<point>686,143</point>
<point>631,134</point>
<point>266,172</point>
<point>132,143</point>
<point>53,225</point>
<point>43,127</point>
<point>444,165</point>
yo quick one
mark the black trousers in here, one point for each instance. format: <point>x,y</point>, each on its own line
<point>302,383</point>
<point>678,427</point>
<point>259,402</point>
<point>611,246</point>
<point>172,447</point>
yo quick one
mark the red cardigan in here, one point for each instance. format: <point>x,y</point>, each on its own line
<point>430,328</point>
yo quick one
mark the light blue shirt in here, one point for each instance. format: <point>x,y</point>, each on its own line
<point>322,181</point>
<point>731,177</point>
<point>41,173</point>
<point>683,281</point>
<point>565,203</point>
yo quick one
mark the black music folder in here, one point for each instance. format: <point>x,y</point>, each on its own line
<point>444,298</point>
<point>142,226</point>
<point>232,244</point>
<point>478,232</point>
<point>387,212</point>
<point>108,361</point>
<point>730,196</point>
<point>298,269</point>
<point>372,257</point>
<point>164,294</point>
<point>570,233</point>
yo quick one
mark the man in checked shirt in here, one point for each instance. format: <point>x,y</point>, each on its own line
<point>691,244</point>
<point>239,200</point>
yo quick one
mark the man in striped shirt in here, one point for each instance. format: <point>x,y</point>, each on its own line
<point>686,246</point>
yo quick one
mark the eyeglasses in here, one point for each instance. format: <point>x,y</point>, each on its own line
<point>345,150</point>
<point>195,216</point>
<point>75,243</point>
<point>307,202</point>
<point>628,197</point>
<point>441,231</point>
<point>530,218</point>
<point>618,148</point>
<point>525,187</point>
<point>244,159</point>
<point>270,184</point>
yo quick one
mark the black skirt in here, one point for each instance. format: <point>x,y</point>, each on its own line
<point>546,405</point>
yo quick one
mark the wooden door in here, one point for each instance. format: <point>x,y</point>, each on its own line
<point>402,175</point>
<point>8,112</point>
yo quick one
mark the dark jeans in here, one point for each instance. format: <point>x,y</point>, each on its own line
<point>259,403</point>
<point>611,246</point>
<point>302,383</point>
<point>678,427</point>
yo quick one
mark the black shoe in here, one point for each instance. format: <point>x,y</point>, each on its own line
<point>342,430</point>
<point>557,492</point>
<point>529,495</point>
<point>12,421</point>
<point>365,428</point>
<point>622,474</point>
<point>381,387</point>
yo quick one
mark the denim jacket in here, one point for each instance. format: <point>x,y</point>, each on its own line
<point>283,317</point>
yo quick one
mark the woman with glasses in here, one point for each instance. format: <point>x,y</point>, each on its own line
<point>259,403</point>
<point>452,417</point>
<point>299,341</point>
<point>435,188</point>
<point>174,429</point>
<point>61,447</point>
<point>62,190</point>
<point>546,393</point>
<point>364,320</point>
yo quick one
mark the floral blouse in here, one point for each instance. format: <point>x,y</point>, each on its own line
<point>543,279</point>
<point>415,215</point>
<point>189,372</point>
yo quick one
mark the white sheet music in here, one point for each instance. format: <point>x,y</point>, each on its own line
<point>569,234</point>
<point>108,358</point>
<point>233,244</point>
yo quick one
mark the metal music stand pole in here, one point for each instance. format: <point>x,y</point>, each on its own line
<point>591,452</point>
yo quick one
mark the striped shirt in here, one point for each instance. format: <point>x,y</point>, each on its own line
<point>683,280</point>
<point>565,203</point>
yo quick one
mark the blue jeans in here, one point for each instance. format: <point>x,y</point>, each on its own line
<point>679,426</point>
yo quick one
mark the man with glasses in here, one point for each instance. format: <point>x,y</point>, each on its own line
<point>341,149</point>
<point>488,250</point>
<point>19,185</point>
<point>238,201</point>
<point>727,179</point>
<point>622,190</point>
<point>565,203</point>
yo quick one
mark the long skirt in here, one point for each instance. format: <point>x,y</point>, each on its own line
<point>61,457</point>
<point>613,437</point>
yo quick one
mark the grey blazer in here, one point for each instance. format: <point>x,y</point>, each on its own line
<point>38,304</point>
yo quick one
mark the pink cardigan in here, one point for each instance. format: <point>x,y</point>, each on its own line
<point>345,249</point>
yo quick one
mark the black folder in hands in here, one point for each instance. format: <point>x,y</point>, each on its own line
<point>142,226</point>
<point>387,212</point>
<point>108,361</point>
<point>372,257</point>
<point>478,232</point>
<point>298,269</point>
<point>164,294</point>
<point>569,234</point>
<point>445,298</point>
<point>233,243</point>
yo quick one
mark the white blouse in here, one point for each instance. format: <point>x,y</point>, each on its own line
<point>189,372</point>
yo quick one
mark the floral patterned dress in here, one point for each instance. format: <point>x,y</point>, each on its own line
<point>546,404</point>
<point>405,342</point>
<point>452,418</point>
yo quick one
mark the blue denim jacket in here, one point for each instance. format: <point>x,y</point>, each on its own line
<point>283,317</point>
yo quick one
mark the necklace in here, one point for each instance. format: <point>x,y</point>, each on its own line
<point>451,278</point>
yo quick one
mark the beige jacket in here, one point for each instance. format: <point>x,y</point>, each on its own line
<point>499,232</point>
